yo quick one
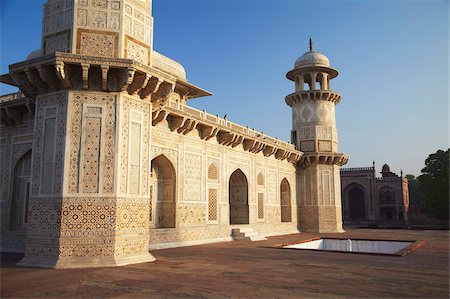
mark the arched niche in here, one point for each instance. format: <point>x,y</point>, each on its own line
<point>164,176</point>
<point>20,192</point>
<point>356,202</point>
<point>285,201</point>
<point>238,198</point>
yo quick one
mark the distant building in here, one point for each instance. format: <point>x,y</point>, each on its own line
<point>367,198</point>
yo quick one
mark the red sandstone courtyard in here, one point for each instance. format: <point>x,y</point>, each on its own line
<point>251,270</point>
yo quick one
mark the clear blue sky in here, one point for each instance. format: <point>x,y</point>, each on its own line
<point>392,57</point>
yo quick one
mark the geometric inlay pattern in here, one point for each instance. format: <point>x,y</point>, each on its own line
<point>129,104</point>
<point>192,177</point>
<point>91,154</point>
<point>212,204</point>
<point>101,143</point>
<point>95,44</point>
<point>260,205</point>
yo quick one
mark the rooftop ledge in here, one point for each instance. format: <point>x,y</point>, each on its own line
<point>183,119</point>
<point>323,95</point>
<point>60,70</point>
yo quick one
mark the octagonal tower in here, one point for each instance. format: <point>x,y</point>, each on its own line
<point>94,86</point>
<point>102,28</point>
<point>314,133</point>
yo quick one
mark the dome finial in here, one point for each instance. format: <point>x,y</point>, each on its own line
<point>310,44</point>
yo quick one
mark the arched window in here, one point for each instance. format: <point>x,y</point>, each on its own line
<point>260,179</point>
<point>20,192</point>
<point>318,83</point>
<point>213,174</point>
<point>307,82</point>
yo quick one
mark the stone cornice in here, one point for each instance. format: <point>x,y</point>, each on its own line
<point>59,70</point>
<point>313,95</point>
<point>183,119</point>
<point>323,158</point>
<point>13,107</point>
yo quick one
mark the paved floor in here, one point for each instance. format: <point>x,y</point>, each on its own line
<point>251,270</point>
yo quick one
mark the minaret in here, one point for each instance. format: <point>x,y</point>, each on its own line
<point>95,84</point>
<point>314,133</point>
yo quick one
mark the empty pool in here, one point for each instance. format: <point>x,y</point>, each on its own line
<point>386,247</point>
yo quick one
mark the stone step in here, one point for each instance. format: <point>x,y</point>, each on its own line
<point>258,238</point>
<point>246,234</point>
<point>245,229</point>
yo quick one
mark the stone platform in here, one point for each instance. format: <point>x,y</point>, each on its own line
<point>251,269</point>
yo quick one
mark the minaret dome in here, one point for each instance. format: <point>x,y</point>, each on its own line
<point>311,68</point>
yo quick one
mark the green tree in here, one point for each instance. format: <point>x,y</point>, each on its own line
<point>434,183</point>
<point>413,190</point>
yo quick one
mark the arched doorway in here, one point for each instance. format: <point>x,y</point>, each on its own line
<point>285,201</point>
<point>163,175</point>
<point>357,206</point>
<point>238,194</point>
<point>21,192</point>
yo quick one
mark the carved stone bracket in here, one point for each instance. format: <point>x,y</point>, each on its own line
<point>35,79</point>
<point>226,138</point>
<point>147,77</point>
<point>61,74</point>
<point>175,122</point>
<point>259,146</point>
<point>12,111</point>
<point>269,150</point>
<point>253,146</point>
<point>85,74</point>
<point>128,78</point>
<point>158,116</point>
<point>160,97</point>
<point>105,69</point>
<point>184,119</point>
<point>188,126</point>
<point>150,87</point>
<point>282,154</point>
<point>185,126</point>
<point>248,144</point>
<point>21,80</point>
<point>47,76</point>
<point>294,157</point>
<point>207,132</point>
<point>324,158</point>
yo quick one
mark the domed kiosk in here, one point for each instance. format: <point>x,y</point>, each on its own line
<point>314,133</point>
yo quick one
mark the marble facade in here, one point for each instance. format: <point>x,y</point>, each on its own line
<point>102,158</point>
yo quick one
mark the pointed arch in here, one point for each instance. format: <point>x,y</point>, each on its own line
<point>18,211</point>
<point>355,202</point>
<point>285,201</point>
<point>213,173</point>
<point>238,198</point>
<point>260,179</point>
<point>164,177</point>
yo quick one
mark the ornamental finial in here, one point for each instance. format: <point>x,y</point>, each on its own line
<point>310,44</point>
